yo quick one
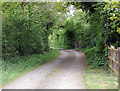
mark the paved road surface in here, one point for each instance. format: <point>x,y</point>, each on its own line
<point>64,72</point>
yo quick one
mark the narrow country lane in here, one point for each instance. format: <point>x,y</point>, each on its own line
<point>64,72</point>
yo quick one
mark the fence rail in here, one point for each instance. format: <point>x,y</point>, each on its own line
<point>113,60</point>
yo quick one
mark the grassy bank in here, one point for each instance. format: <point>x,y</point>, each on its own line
<point>99,79</point>
<point>18,66</point>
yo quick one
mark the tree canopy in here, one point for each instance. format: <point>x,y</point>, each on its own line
<point>30,28</point>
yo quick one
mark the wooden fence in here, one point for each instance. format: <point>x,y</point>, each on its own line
<point>113,60</point>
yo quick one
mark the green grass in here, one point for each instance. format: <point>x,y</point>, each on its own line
<point>99,79</point>
<point>17,66</point>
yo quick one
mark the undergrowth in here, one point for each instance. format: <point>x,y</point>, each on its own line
<point>17,66</point>
<point>99,79</point>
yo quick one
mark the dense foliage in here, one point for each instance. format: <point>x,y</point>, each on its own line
<point>92,25</point>
<point>26,27</point>
<point>30,28</point>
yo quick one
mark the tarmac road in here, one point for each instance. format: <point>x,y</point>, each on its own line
<point>65,72</point>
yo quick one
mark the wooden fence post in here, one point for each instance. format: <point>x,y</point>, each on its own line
<point>113,57</point>
<point>119,68</point>
<point>112,65</point>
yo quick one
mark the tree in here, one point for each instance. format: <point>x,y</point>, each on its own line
<point>26,27</point>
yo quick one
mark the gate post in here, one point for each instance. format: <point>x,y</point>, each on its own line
<point>112,65</point>
<point>119,68</point>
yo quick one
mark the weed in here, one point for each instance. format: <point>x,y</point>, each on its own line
<point>99,79</point>
<point>17,66</point>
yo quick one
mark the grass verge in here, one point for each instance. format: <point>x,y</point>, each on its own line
<point>99,79</point>
<point>17,66</point>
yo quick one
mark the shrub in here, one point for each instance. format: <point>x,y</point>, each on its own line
<point>94,58</point>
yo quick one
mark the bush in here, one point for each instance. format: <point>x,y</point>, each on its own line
<point>94,58</point>
<point>25,30</point>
